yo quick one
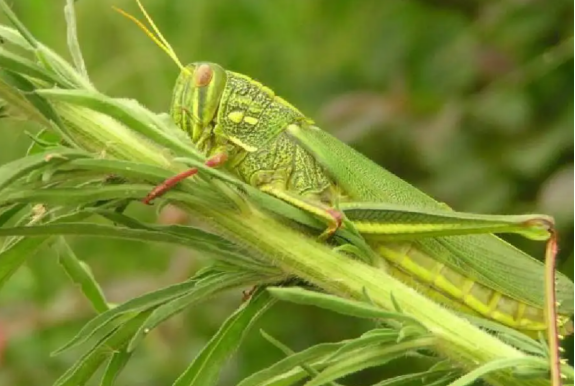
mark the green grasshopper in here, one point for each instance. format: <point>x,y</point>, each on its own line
<point>270,144</point>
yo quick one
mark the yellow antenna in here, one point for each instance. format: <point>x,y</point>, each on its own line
<point>159,39</point>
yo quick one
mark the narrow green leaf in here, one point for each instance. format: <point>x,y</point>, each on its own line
<point>115,366</point>
<point>501,364</point>
<point>409,332</point>
<point>23,66</point>
<point>414,379</point>
<point>72,39</point>
<point>42,141</point>
<point>207,287</point>
<point>10,212</point>
<point>11,171</point>
<point>80,275</point>
<point>368,357</point>
<point>195,241</point>
<point>88,364</point>
<point>16,254</point>
<point>14,37</point>
<point>333,303</point>
<point>138,304</point>
<point>528,345</point>
<point>310,355</point>
<point>195,238</point>
<point>19,26</point>
<point>443,381</point>
<point>206,367</point>
<point>530,373</point>
<point>365,340</point>
<point>176,230</point>
<point>310,370</point>
<point>74,195</point>
<point>234,255</point>
<point>513,337</point>
<point>292,377</point>
<point>122,167</point>
<point>395,303</point>
<point>46,56</point>
<point>28,90</point>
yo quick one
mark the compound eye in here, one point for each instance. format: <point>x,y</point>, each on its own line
<point>203,75</point>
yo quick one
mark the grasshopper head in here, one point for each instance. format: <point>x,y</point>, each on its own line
<point>197,96</point>
<point>198,89</point>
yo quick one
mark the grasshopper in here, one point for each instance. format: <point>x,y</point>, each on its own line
<point>265,141</point>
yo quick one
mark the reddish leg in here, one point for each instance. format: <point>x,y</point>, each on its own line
<point>551,309</point>
<point>337,217</point>
<point>168,184</point>
<point>246,295</point>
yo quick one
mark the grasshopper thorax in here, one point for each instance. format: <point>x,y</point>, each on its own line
<point>196,97</point>
<point>223,109</point>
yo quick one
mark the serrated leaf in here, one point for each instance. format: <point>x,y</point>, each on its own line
<point>206,367</point>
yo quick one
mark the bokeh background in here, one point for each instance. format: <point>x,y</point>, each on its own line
<point>470,101</point>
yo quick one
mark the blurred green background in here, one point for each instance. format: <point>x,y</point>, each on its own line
<point>470,101</point>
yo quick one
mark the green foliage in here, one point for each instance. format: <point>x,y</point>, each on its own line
<point>465,95</point>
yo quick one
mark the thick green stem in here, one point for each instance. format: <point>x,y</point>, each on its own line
<point>458,339</point>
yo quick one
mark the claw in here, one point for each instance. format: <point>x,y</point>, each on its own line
<point>337,217</point>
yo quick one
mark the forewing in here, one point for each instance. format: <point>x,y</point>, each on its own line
<point>484,258</point>
<point>360,178</point>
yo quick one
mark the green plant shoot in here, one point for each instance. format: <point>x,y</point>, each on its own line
<point>454,257</point>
